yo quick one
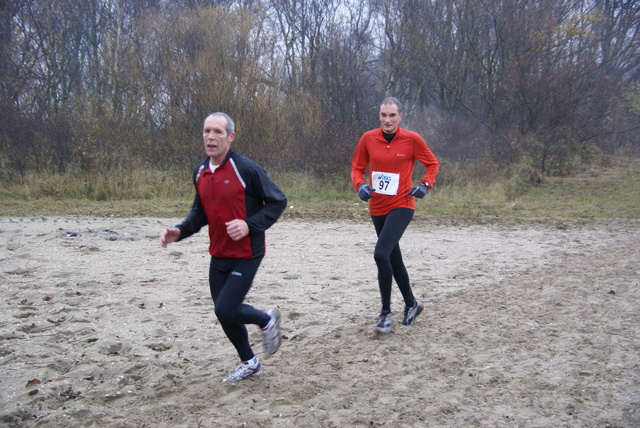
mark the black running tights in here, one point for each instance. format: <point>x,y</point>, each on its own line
<point>230,281</point>
<point>388,257</point>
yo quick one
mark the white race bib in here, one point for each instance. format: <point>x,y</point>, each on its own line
<point>385,183</point>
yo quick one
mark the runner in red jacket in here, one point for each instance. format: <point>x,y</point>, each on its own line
<point>238,202</point>
<point>390,153</point>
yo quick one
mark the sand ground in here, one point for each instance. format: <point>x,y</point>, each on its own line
<point>525,326</point>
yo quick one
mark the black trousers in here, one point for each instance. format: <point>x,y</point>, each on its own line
<point>388,257</point>
<point>230,281</point>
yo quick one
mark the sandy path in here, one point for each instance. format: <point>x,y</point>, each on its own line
<point>525,326</point>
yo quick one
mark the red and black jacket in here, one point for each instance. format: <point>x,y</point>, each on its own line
<point>239,189</point>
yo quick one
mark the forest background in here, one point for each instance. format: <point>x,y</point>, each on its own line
<point>103,100</point>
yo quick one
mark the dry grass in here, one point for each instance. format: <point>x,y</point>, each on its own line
<point>595,192</point>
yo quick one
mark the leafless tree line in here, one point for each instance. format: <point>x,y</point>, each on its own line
<point>90,86</point>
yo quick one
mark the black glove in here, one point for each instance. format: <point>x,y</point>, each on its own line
<point>365,192</point>
<point>419,191</point>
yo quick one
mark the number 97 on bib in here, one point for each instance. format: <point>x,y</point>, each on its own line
<point>385,183</point>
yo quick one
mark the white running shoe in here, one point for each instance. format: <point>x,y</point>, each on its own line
<point>244,371</point>
<point>271,338</point>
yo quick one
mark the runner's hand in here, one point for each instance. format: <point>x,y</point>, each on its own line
<point>169,235</point>
<point>237,229</point>
<point>419,191</point>
<point>365,192</point>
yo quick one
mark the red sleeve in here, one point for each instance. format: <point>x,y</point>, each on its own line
<point>359,163</point>
<point>428,159</point>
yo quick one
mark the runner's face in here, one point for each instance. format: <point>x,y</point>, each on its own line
<point>389,118</point>
<point>216,139</point>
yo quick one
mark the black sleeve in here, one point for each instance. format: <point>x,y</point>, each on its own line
<point>270,202</point>
<point>194,220</point>
<point>196,217</point>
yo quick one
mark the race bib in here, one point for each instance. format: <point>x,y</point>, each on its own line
<point>385,183</point>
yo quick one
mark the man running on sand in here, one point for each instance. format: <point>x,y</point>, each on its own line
<point>238,201</point>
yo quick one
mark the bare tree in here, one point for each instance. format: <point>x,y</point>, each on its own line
<point>111,83</point>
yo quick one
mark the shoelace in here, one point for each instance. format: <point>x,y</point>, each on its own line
<point>242,368</point>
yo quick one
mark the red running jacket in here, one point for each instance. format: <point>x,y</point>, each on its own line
<point>395,158</point>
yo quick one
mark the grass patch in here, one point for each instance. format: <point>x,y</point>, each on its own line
<point>595,192</point>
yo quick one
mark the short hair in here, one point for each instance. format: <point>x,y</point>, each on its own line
<point>231,127</point>
<point>392,100</point>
